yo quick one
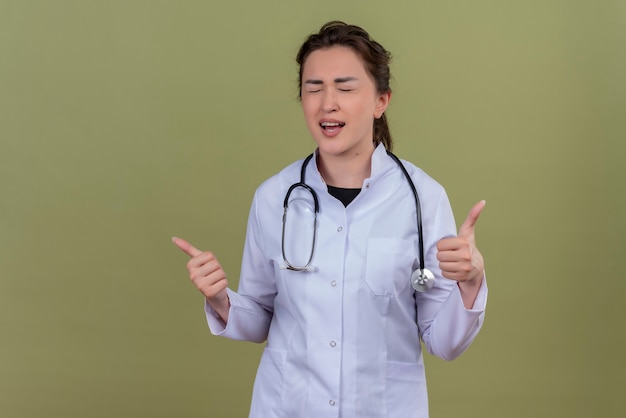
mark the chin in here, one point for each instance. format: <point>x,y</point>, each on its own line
<point>331,147</point>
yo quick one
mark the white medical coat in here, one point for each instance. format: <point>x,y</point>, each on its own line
<point>344,340</point>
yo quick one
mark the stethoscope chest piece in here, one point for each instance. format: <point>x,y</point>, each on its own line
<point>422,280</point>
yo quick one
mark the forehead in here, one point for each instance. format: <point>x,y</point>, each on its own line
<point>336,61</point>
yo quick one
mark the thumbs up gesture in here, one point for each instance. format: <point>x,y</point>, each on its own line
<point>207,275</point>
<point>459,258</point>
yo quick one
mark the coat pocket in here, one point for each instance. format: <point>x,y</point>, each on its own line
<point>389,265</point>
<point>406,392</point>
<point>268,385</point>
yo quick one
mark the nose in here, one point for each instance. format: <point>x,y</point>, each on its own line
<point>329,101</point>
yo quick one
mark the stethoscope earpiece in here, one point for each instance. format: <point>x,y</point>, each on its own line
<point>422,280</point>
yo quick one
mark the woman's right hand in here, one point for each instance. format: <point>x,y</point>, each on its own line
<point>207,275</point>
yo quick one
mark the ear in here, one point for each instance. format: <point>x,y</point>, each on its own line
<point>381,104</point>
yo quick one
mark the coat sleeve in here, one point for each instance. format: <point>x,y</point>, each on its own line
<point>251,307</point>
<point>446,326</point>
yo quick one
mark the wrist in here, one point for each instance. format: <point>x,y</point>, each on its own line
<point>221,305</point>
<point>473,282</point>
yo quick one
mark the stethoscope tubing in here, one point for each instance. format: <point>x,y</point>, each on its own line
<point>418,209</point>
<point>421,280</point>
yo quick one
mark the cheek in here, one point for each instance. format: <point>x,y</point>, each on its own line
<point>365,110</point>
<point>310,111</point>
<point>310,115</point>
<point>307,106</point>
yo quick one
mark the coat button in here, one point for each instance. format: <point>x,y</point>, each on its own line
<point>331,402</point>
<point>339,229</point>
<point>333,344</point>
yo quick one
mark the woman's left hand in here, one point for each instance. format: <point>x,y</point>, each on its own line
<point>459,258</point>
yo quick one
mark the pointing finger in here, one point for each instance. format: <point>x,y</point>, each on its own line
<point>186,247</point>
<point>467,229</point>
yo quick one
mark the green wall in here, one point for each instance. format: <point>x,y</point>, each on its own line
<point>123,123</point>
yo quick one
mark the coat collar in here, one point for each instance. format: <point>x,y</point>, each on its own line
<point>380,163</point>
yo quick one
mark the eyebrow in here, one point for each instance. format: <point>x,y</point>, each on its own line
<point>337,80</point>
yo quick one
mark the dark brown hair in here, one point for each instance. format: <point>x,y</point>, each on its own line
<point>375,57</point>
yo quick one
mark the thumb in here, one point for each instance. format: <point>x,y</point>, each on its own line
<point>186,247</point>
<point>467,228</point>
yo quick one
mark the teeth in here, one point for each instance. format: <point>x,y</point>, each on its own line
<point>331,124</point>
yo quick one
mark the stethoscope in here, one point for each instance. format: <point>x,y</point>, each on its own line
<point>422,279</point>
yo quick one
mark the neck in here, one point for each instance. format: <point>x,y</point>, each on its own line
<point>345,171</point>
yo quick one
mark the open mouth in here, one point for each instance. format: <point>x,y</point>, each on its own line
<point>332,125</point>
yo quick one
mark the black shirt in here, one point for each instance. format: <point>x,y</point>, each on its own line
<point>345,196</point>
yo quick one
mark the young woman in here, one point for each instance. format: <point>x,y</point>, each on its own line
<point>330,288</point>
